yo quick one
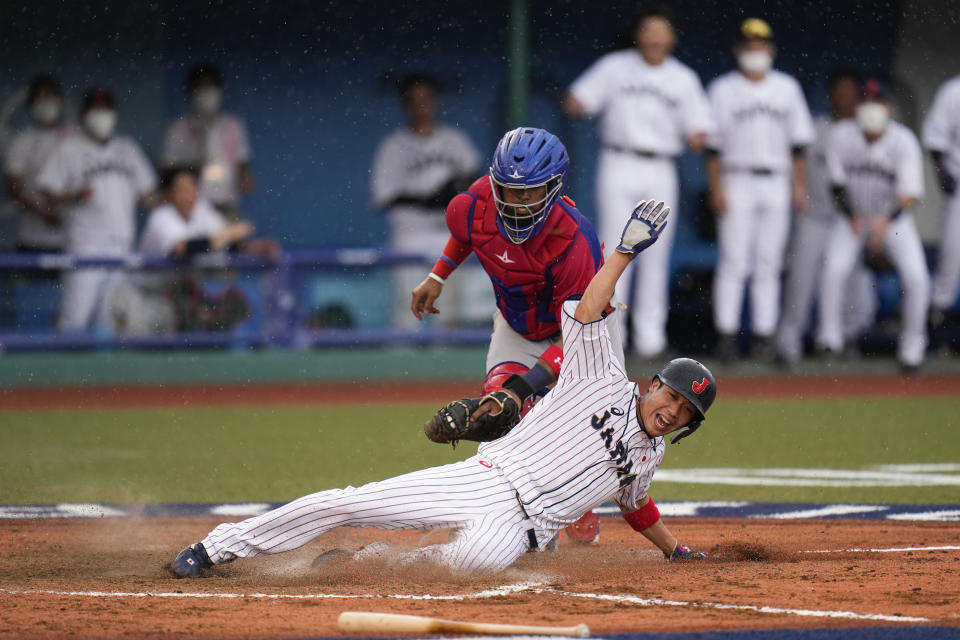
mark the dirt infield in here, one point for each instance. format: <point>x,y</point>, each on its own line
<point>233,395</point>
<point>106,579</point>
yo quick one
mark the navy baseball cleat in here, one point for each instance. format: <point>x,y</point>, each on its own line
<point>191,562</point>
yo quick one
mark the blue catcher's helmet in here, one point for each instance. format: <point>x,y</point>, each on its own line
<point>527,158</point>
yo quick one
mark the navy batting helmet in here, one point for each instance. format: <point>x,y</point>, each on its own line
<point>694,382</point>
<point>527,158</point>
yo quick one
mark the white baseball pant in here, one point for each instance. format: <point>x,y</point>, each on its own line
<point>947,276</point>
<point>904,248</point>
<point>804,280</point>
<point>751,236</point>
<point>623,179</point>
<point>86,299</point>
<point>472,497</point>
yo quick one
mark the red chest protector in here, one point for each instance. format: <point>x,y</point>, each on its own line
<point>524,276</point>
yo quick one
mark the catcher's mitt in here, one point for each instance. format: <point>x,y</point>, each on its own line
<point>453,423</point>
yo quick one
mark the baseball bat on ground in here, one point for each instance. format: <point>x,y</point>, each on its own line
<point>368,621</point>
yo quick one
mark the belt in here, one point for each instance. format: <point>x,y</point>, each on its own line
<point>757,171</point>
<point>642,153</point>
<point>531,532</point>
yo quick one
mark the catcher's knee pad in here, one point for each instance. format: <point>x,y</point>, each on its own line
<point>499,374</point>
<point>586,529</point>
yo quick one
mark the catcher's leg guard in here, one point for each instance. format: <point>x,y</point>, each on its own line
<point>499,374</point>
<point>586,530</point>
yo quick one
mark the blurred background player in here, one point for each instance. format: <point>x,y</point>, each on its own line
<point>653,106</point>
<point>96,180</point>
<point>39,228</point>
<point>211,139</point>
<point>537,249</point>
<point>877,169</point>
<point>755,168</point>
<point>417,170</point>
<point>185,225</point>
<point>811,233</point>
<point>941,136</point>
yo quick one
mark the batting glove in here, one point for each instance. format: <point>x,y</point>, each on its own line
<point>683,552</point>
<point>644,227</point>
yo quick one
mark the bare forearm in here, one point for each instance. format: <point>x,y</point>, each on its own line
<point>597,296</point>
<point>713,166</point>
<point>659,535</point>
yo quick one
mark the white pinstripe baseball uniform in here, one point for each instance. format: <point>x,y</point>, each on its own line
<point>877,175</point>
<point>579,447</point>
<point>941,132</point>
<point>758,123</point>
<point>648,112</point>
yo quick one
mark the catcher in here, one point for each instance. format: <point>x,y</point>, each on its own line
<point>597,436</point>
<point>538,250</point>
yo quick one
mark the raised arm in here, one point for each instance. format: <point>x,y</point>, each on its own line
<point>642,230</point>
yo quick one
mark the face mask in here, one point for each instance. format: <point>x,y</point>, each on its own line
<point>45,110</point>
<point>755,61</point>
<point>872,117</point>
<point>207,101</point>
<point>100,122</point>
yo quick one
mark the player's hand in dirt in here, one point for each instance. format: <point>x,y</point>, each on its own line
<point>682,553</point>
<point>424,296</point>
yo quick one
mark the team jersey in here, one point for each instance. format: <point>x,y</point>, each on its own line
<point>117,172</point>
<point>820,200</point>
<point>941,128</point>
<point>28,152</point>
<point>645,107</point>
<point>217,147</point>
<point>878,174</point>
<point>410,164</point>
<point>758,123</point>
<point>590,445</point>
<point>530,280</point>
<point>165,227</point>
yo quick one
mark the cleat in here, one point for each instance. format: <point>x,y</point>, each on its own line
<point>191,562</point>
<point>586,530</point>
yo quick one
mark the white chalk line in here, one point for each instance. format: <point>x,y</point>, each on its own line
<point>947,547</point>
<point>530,587</point>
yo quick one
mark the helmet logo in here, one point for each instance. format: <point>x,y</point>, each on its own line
<point>698,387</point>
<point>515,174</point>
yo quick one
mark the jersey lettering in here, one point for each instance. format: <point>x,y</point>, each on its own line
<point>756,110</point>
<point>617,451</point>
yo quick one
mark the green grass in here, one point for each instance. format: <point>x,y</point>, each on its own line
<point>276,454</point>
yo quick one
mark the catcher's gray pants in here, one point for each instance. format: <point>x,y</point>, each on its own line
<point>472,497</point>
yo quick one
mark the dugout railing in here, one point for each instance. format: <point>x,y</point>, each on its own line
<point>283,301</point>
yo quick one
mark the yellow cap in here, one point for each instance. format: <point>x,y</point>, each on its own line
<point>755,28</point>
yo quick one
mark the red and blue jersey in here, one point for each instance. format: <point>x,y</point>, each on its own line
<point>530,280</point>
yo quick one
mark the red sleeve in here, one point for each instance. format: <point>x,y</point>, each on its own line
<point>458,213</point>
<point>453,256</point>
<point>572,273</point>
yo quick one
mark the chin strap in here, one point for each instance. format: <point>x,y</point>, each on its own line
<point>680,434</point>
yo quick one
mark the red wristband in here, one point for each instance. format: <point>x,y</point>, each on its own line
<point>553,356</point>
<point>644,517</point>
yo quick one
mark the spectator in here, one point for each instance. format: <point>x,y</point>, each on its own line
<point>213,140</point>
<point>811,235</point>
<point>653,107</point>
<point>755,167</point>
<point>416,171</point>
<point>39,228</point>
<point>876,167</point>
<point>186,225</point>
<point>96,180</point>
<point>941,136</point>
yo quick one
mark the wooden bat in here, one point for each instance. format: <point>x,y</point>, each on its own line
<point>369,621</point>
